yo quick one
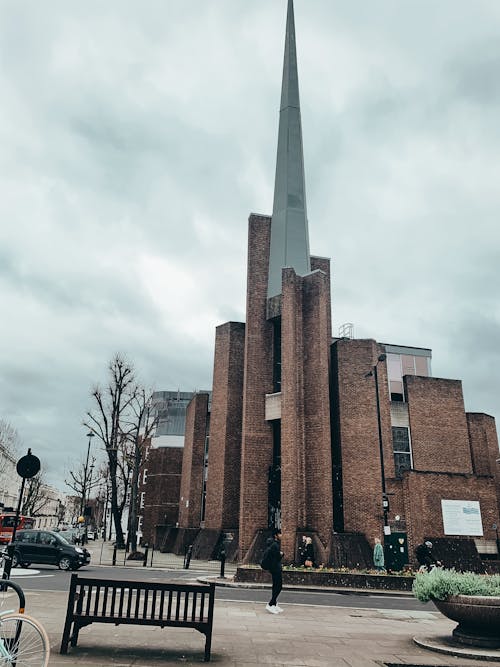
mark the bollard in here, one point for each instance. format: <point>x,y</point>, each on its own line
<point>7,563</point>
<point>152,554</point>
<point>145,561</point>
<point>187,557</point>
<point>114,555</point>
<point>222,557</point>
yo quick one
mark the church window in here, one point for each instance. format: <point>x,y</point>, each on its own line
<point>402,449</point>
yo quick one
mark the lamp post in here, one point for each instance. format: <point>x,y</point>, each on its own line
<point>90,435</point>
<point>385,499</point>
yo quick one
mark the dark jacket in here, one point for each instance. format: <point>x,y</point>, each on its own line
<point>273,555</point>
<point>425,556</point>
<point>309,552</point>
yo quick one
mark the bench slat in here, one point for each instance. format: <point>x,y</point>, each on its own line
<point>193,612</point>
<point>153,605</point>
<point>162,603</point>
<point>170,599</point>
<point>113,601</point>
<point>177,605</point>
<point>202,606</point>
<point>89,598</point>
<point>104,602</point>
<point>96,603</point>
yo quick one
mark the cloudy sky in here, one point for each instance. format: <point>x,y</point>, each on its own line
<point>136,137</point>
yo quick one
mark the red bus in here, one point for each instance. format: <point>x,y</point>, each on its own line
<point>7,520</point>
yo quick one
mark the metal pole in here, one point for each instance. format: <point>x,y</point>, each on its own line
<point>84,489</point>
<point>380,442</point>
<point>381,357</point>
<point>10,549</point>
<point>222,563</point>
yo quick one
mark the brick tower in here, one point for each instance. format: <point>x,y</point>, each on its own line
<point>283,425</point>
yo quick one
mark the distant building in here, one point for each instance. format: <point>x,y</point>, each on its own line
<point>51,508</point>
<point>9,479</point>
<point>160,480</point>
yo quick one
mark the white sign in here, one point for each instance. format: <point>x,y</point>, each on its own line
<point>462,517</point>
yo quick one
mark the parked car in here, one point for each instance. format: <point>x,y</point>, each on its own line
<point>91,534</point>
<point>70,535</point>
<point>47,547</point>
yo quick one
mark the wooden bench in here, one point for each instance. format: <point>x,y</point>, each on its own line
<point>179,605</point>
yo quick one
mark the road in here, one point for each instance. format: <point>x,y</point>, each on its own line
<point>51,579</point>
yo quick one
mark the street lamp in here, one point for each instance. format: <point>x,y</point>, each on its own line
<point>385,499</point>
<point>90,435</point>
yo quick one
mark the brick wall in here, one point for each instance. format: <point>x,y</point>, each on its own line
<point>306,482</point>
<point>438,426</point>
<point>257,443</point>
<point>423,493</point>
<point>192,462</point>
<point>323,264</point>
<point>223,487</point>
<point>161,490</point>
<point>484,446</point>
<point>357,440</point>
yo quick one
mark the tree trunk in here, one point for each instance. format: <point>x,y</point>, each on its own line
<point>115,509</point>
<point>134,491</point>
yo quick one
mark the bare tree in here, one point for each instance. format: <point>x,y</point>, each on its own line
<point>35,496</point>
<point>83,479</point>
<point>109,421</point>
<point>143,427</point>
<point>10,444</point>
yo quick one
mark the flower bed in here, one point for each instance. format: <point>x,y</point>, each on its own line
<point>329,577</point>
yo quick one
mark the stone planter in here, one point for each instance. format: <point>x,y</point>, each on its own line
<point>478,619</point>
<point>331,579</point>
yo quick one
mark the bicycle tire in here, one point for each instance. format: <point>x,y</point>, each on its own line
<point>8,601</point>
<point>26,640</point>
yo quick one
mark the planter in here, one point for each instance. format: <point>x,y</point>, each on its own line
<point>478,619</point>
<point>332,579</point>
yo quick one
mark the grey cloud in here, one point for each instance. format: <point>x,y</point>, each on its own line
<point>134,134</point>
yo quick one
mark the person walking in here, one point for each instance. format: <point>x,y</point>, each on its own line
<point>272,562</point>
<point>378,556</point>
<point>302,551</point>
<point>309,553</point>
<point>425,557</point>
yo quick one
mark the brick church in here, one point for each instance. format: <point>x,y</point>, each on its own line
<point>341,439</point>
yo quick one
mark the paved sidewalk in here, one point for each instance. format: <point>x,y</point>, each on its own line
<point>102,554</point>
<point>246,635</point>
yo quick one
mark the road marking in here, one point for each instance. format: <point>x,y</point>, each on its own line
<point>36,576</point>
<point>322,606</point>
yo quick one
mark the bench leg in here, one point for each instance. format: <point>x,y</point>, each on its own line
<point>65,638</point>
<point>74,636</point>
<point>208,646</point>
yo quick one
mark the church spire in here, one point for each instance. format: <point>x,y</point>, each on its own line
<point>289,233</point>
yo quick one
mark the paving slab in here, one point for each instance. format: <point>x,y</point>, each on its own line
<point>246,635</point>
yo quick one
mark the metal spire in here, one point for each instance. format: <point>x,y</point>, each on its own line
<point>289,233</point>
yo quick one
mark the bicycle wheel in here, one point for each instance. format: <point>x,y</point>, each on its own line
<point>25,640</point>
<point>11,597</point>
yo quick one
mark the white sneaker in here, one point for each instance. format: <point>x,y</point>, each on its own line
<point>271,610</point>
<point>278,609</point>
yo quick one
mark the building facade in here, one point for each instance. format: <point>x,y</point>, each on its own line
<point>341,439</point>
<point>331,436</point>
<point>161,505</point>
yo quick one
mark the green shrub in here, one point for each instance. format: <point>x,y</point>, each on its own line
<point>441,583</point>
